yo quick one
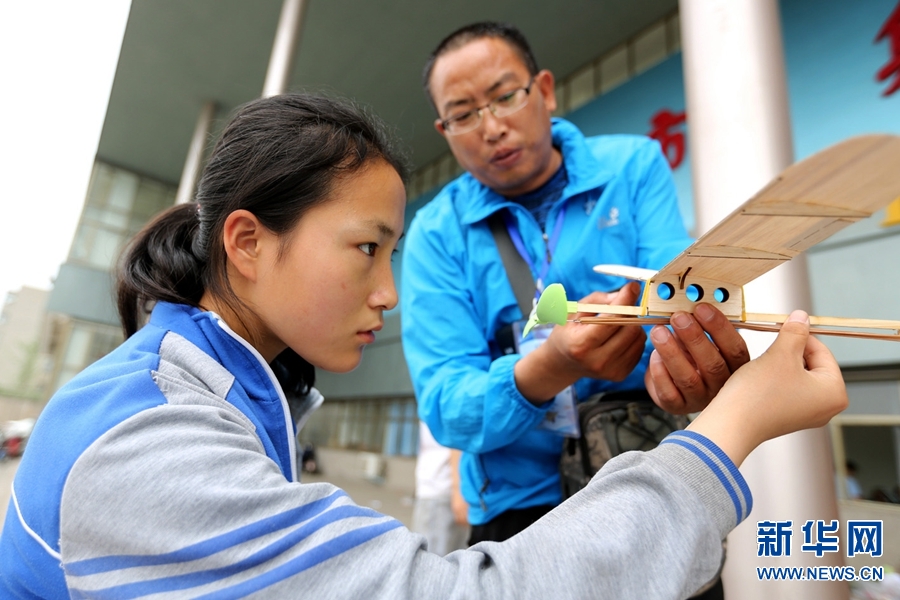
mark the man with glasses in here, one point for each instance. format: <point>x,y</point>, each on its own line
<point>568,203</point>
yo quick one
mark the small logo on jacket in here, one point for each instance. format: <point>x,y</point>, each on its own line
<point>611,221</point>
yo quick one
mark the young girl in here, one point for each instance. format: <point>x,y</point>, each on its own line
<point>168,467</point>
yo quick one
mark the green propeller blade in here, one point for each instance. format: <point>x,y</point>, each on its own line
<point>552,307</point>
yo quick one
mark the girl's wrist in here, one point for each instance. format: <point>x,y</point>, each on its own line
<point>734,436</point>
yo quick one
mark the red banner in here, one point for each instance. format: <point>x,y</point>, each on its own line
<point>891,30</point>
<point>672,142</point>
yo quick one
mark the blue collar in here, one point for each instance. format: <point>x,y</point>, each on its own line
<point>584,171</point>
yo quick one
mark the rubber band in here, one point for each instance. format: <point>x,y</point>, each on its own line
<point>645,298</point>
<point>743,306</point>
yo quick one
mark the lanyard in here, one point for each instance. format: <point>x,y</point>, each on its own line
<point>516,238</point>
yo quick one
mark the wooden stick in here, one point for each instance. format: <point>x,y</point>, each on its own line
<point>821,331</point>
<point>829,321</point>
<point>613,309</point>
<point>612,320</point>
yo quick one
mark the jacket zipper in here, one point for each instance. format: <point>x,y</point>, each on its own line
<point>484,487</point>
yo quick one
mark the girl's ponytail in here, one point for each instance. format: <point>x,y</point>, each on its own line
<point>160,264</point>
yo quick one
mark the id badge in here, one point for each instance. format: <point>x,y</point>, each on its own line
<point>562,417</point>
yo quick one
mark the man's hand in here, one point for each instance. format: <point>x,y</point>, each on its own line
<point>578,350</point>
<point>688,369</point>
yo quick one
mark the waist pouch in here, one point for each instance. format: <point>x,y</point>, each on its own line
<point>612,423</point>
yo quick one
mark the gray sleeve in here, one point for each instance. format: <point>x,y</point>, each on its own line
<point>182,501</point>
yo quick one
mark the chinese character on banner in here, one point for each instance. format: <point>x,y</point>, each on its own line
<point>891,30</point>
<point>774,538</point>
<point>672,142</point>
<point>864,537</point>
<point>819,537</point>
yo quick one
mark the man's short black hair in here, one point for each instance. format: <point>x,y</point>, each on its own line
<point>476,31</point>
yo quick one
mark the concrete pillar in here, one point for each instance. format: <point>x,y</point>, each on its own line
<point>284,47</point>
<point>740,129</point>
<point>194,161</point>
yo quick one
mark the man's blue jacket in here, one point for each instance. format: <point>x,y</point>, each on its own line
<point>621,208</point>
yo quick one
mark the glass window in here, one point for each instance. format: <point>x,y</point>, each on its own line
<point>866,437</point>
<point>387,426</point>
<point>101,182</point>
<point>79,342</point>
<point>121,194</point>
<point>869,459</point>
<point>109,218</point>
<point>81,245</point>
<point>87,343</point>
<point>151,198</point>
<point>105,248</point>
<point>118,204</point>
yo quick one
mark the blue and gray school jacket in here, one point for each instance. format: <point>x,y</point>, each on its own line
<point>621,208</point>
<point>166,470</point>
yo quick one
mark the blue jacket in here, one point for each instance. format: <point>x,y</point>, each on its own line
<point>148,400</point>
<point>621,208</point>
<point>166,469</point>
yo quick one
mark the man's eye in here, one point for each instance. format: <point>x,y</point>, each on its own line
<point>464,118</point>
<point>507,98</point>
<point>369,248</point>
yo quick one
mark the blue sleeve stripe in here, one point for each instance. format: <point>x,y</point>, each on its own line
<point>729,465</point>
<point>717,471</point>
<point>311,557</point>
<point>320,554</point>
<point>92,566</point>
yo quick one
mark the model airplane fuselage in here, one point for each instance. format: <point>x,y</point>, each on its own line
<point>805,204</point>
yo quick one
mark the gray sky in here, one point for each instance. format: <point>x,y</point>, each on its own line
<point>57,60</point>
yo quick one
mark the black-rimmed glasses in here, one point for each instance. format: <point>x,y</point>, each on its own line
<point>502,106</point>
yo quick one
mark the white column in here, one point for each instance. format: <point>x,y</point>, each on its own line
<point>740,129</point>
<point>194,160</point>
<point>284,47</point>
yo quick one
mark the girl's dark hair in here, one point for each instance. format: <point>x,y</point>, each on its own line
<point>276,158</point>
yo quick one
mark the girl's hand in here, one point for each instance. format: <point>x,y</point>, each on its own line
<point>796,384</point>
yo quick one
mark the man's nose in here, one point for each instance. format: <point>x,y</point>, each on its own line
<point>494,127</point>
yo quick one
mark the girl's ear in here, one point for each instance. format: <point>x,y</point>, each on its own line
<point>243,238</point>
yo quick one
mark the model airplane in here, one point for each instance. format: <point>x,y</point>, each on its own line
<point>805,204</point>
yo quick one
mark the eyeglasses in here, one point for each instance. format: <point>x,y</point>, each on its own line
<point>502,106</point>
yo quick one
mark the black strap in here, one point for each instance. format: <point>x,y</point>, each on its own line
<point>517,271</point>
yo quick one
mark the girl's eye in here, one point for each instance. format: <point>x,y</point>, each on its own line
<point>369,248</point>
